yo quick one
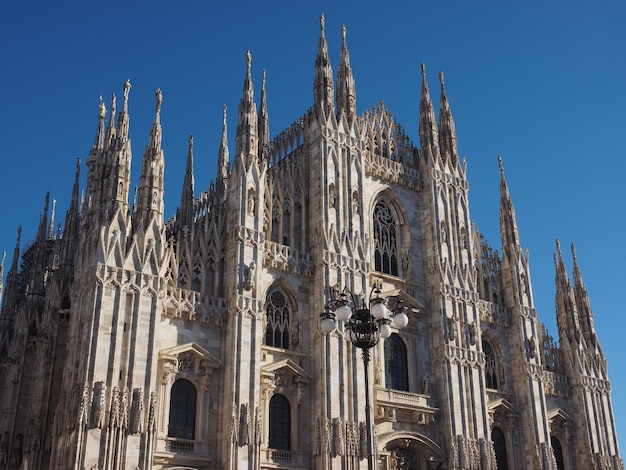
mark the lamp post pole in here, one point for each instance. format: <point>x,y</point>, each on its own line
<point>368,412</point>
<point>365,325</point>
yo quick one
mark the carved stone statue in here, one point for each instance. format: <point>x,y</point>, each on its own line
<point>103,109</point>
<point>403,459</point>
<point>251,203</point>
<point>99,398</point>
<point>426,383</point>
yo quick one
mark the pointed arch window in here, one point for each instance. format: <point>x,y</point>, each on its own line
<point>396,367</point>
<point>491,366</point>
<point>182,422</point>
<point>280,423</point>
<point>385,240</point>
<point>277,330</point>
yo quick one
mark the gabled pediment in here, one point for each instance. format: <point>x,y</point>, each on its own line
<point>286,366</point>
<point>401,296</point>
<point>558,413</point>
<point>503,405</point>
<point>172,354</point>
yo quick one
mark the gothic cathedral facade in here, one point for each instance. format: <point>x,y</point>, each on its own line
<point>128,341</point>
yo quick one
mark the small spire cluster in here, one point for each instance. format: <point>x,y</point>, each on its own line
<point>438,142</point>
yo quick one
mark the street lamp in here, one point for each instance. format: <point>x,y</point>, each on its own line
<point>365,325</point>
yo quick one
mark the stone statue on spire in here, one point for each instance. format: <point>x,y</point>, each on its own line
<point>159,100</point>
<point>103,109</point>
<point>127,87</point>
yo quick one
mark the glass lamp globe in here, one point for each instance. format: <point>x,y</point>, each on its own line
<point>327,325</point>
<point>378,310</point>
<point>352,335</point>
<point>385,330</point>
<point>400,320</point>
<point>343,313</point>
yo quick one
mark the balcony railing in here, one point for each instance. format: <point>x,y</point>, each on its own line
<point>288,459</point>
<point>281,456</point>
<point>401,399</point>
<point>180,445</point>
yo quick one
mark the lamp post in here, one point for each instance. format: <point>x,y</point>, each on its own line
<point>366,324</point>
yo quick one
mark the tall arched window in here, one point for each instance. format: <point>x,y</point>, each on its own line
<point>182,423</point>
<point>499,446</point>
<point>277,310</point>
<point>385,240</point>
<point>396,367</point>
<point>558,452</point>
<point>280,423</point>
<point>491,367</point>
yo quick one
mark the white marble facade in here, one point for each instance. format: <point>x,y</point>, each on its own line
<point>132,342</point>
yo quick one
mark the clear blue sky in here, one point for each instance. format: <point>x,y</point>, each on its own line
<point>539,83</point>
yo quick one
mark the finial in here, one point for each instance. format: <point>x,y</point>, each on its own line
<point>500,165</point>
<point>248,61</point>
<point>558,247</point>
<point>343,33</point>
<point>574,253</point>
<point>190,141</point>
<point>113,107</point>
<point>263,84</point>
<point>52,213</point>
<point>159,100</point>
<point>103,108</point>
<point>423,70</point>
<point>441,78</point>
<point>322,22</point>
<point>224,108</point>
<point>78,164</point>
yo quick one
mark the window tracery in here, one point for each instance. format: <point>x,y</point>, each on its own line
<point>385,240</point>
<point>277,330</point>
<point>491,366</point>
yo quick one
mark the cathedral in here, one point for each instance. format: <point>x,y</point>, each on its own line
<point>212,339</point>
